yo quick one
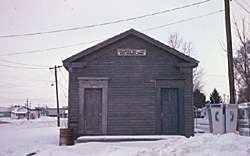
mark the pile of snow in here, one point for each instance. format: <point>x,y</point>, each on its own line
<point>41,136</point>
<point>205,145</point>
<point>126,138</point>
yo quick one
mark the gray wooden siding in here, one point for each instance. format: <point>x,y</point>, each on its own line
<point>132,96</point>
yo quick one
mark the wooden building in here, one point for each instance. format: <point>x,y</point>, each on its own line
<point>130,84</point>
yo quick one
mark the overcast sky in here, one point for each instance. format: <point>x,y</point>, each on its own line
<point>25,59</point>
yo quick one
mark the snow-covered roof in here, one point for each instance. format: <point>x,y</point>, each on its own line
<point>34,109</point>
<point>24,110</point>
<point>201,109</point>
<point>243,105</point>
<point>19,110</point>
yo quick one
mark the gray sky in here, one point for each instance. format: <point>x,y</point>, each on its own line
<point>19,81</point>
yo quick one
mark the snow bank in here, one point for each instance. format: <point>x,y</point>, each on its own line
<point>126,138</point>
<point>32,123</point>
<point>21,137</point>
<point>205,145</point>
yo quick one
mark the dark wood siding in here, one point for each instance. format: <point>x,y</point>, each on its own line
<point>73,106</point>
<point>93,110</point>
<point>132,93</point>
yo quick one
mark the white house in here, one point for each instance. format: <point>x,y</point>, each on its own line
<point>243,110</point>
<point>25,112</point>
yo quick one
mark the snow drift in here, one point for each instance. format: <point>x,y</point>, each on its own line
<point>41,136</point>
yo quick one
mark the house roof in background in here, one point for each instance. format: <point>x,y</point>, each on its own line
<point>23,109</point>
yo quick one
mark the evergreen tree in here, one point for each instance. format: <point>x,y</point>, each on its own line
<point>243,94</point>
<point>215,97</point>
<point>199,99</point>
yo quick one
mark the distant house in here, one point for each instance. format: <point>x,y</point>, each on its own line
<point>19,113</point>
<point>53,112</point>
<point>25,112</point>
<point>44,112</point>
<point>5,112</point>
<point>243,111</point>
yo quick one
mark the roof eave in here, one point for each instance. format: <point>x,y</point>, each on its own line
<point>67,62</point>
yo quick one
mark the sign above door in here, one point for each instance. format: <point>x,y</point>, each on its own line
<point>131,52</point>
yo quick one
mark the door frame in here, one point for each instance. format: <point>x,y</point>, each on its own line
<point>93,82</point>
<point>170,84</point>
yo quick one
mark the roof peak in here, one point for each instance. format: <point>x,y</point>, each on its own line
<point>122,35</point>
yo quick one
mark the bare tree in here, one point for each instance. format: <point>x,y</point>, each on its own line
<point>197,78</point>
<point>176,41</point>
<point>242,59</point>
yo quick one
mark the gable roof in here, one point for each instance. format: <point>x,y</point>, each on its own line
<point>24,110</point>
<point>19,110</point>
<point>118,37</point>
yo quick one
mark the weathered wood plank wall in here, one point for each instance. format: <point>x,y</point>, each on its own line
<point>132,96</point>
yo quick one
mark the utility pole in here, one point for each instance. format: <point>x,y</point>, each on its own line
<point>57,99</point>
<point>229,52</point>
<point>27,105</point>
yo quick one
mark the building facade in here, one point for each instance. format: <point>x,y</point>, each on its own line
<point>130,84</point>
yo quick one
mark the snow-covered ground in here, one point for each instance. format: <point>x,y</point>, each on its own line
<point>202,124</point>
<point>41,136</point>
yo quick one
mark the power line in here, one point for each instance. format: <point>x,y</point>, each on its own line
<point>10,86</point>
<point>106,23</point>
<point>46,98</point>
<point>245,3</point>
<point>19,67</point>
<point>62,86</point>
<point>15,77</point>
<point>23,84</point>
<point>237,2</point>
<point>28,91</point>
<point>63,76</point>
<point>222,76</point>
<point>48,49</point>
<point>62,89</point>
<point>62,47</point>
<point>22,63</point>
<point>36,77</point>
<point>183,20</point>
